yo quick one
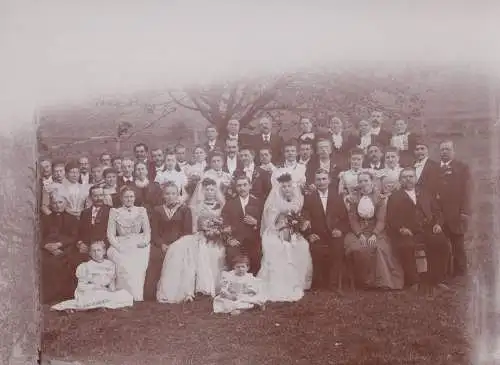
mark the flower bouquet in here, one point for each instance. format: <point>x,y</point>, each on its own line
<point>294,222</point>
<point>214,230</point>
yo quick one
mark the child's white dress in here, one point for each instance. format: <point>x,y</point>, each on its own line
<point>239,285</point>
<point>96,280</point>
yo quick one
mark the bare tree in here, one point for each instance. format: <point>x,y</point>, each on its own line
<point>244,100</point>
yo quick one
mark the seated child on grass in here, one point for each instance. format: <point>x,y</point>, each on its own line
<point>96,284</point>
<point>240,290</point>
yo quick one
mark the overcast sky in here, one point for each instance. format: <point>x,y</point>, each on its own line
<point>63,51</point>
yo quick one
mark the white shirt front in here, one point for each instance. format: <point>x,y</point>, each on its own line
<point>231,164</point>
<point>412,195</point>
<point>324,199</point>
<point>337,140</point>
<point>325,165</point>
<point>211,144</point>
<point>95,211</point>
<point>85,178</point>
<point>366,140</point>
<point>178,177</point>
<point>419,167</point>
<point>249,171</point>
<point>244,203</point>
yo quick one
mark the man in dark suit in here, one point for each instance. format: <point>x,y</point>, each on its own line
<point>157,166</point>
<point>306,152</point>
<point>454,196</point>
<point>324,161</point>
<point>128,173</point>
<point>414,218</point>
<point>85,176</point>
<point>260,180</point>
<point>267,139</point>
<point>342,141</point>
<point>404,141</point>
<point>328,223</point>
<point>231,160</point>
<point>169,222</point>
<point>232,132</point>
<point>59,235</point>
<point>383,137</point>
<point>427,171</point>
<point>373,159</point>
<point>93,223</point>
<point>243,215</point>
<point>213,142</point>
<point>141,152</point>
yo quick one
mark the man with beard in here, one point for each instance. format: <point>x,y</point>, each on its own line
<point>381,136</point>
<point>414,219</point>
<point>267,139</point>
<point>93,223</point>
<point>454,196</point>
<point>85,176</point>
<point>373,159</point>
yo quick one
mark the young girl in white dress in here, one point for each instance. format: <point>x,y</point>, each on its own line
<point>239,289</point>
<point>96,284</point>
<point>193,264</point>
<point>286,268</point>
<point>129,236</point>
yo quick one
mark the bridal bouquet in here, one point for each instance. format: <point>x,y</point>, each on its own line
<point>214,230</point>
<point>294,222</point>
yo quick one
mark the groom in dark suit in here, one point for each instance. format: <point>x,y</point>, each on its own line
<point>414,218</point>
<point>326,217</point>
<point>243,214</point>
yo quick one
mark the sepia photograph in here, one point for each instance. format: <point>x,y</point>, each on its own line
<point>300,212</point>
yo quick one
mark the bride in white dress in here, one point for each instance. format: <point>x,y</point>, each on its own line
<point>193,264</point>
<point>286,268</point>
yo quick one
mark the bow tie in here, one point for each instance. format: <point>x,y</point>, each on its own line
<point>445,164</point>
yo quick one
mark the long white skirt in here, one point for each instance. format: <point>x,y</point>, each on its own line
<point>131,265</point>
<point>97,298</point>
<point>286,268</point>
<point>191,265</point>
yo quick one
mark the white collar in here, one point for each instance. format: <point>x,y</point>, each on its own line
<point>323,195</point>
<point>245,200</point>
<point>231,158</point>
<point>376,130</point>
<point>268,136</point>
<point>162,167</point>
<point>376,165</point>
<point>211,143</point>
<point>446,163</point>
<point>421,162</point>
<point>251,167</point>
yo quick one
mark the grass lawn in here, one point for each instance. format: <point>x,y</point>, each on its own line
<point>359,328</point>
<point>323,328</point>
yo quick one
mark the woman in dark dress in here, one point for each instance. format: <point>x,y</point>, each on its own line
<point>148,194</point>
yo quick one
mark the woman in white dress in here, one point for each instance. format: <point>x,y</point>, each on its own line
<point>129,236</point>
<point>96,284</point>
<point>286,268</point>
<point>193,264</point>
